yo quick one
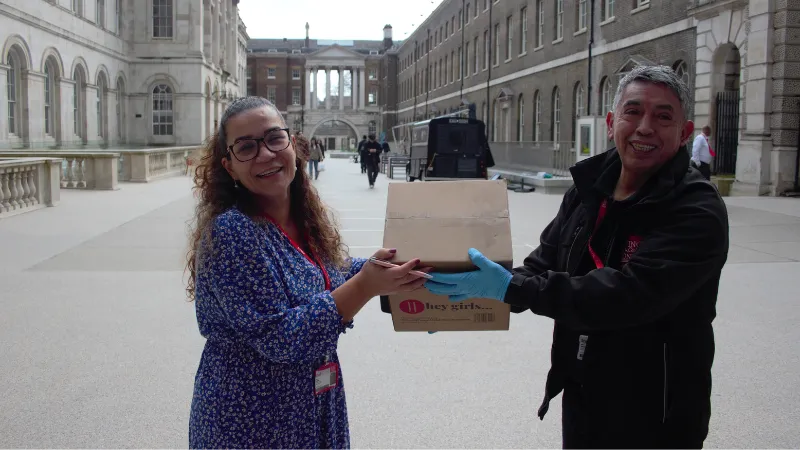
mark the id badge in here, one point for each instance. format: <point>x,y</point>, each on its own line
<point>326,378</point>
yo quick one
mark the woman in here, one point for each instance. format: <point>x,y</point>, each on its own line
<point>315,157</point>
<point>274,291</point>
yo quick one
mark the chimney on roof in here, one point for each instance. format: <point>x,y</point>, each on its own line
<point>387,37</point>
<point>308,41</point>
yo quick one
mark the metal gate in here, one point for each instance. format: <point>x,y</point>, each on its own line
<point>726,136</point>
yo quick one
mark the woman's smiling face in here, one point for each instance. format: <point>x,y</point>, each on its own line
<point>272,168</point>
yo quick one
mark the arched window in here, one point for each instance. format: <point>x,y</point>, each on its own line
<point>606,96</point>
<point>494,121</point>
<point>102,116</point>
<point>373,127</point>
<point>537,116</point>
<point>13,87</point>
<point>48,99</point>
<point>79,102</point>
<point>579,108</point>
<point>556,115</point>
<point>162,111</point>
<point>682,70</point>
<point>521,118</point>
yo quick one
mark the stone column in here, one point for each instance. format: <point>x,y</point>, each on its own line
<point>36,129</point>
<point>3,101</point>
<point>341,88</point>
<point>354,89</point>
<point>753,159</point>
<point>314,84</point>
<point>362,87</point>
<point>308,88</point>
<point>196,26</point>
<point>327,88</point>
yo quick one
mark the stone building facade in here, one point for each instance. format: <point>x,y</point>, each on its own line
<point>104,73</point>
<point>330,90</point>
<point>525,66</point>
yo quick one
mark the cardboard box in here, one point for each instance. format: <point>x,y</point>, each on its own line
<point>438,222</point>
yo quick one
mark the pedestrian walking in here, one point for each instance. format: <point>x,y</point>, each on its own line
<point>372,151</point>
<point>274,290</point>
<point>629,270</point>
<point>316,156</point>
<point>362,153</point>
<point>702,153</point>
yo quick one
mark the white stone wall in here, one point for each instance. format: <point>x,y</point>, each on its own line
<point>127,57</point>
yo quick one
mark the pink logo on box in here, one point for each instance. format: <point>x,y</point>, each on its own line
<point>412,306</point>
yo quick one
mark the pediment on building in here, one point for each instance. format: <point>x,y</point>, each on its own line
<point>632,62</point>
<point>505,94</point>
<point>334,51</point>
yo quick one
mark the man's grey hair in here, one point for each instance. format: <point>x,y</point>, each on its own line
<point>659,75</point>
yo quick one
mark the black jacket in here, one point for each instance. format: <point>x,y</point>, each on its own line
<point>361,146</point>
<point>373,157</point>
<point>633,342</point>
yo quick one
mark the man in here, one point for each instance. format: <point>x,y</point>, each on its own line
<point>362,154</point>
<point>372,156</point>
<point>701,153</point>
<point>629,269</point>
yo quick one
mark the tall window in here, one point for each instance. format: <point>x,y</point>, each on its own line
<point>13,90</point>
<point>467,55</point>
<point>539,23</point>
<point>537,116</point>
<point>583,11</point>
<point>77,7</point>
<point>486,50</point>
<point>271,73</point>
<point>48,99</point>
<point>556,115</point>
<point>580,109</point>
<point>608,9</point>
<point>100,13</point>
<point>523,30</point>
<point>460,19</point>
<point>559,24</point>
<point>446,78</point>
<point>118,11</point>
<point>162,19</point>
<point>453,65</point>
<point>295,74</point>
<point>99,106</point>
<point>120,105</point>
<point>295,96</point>
<point>496,38</point>
<point>373,127</point>
<point>76,103</point>
<point>466,13</point>
<point>272,93</point>
<point>606,96</point>
<point>446,29</point>
<point>461,62</point>
<point>162,111</point>
<point>372,97</point>
<point>475,60</point>
<point>521,118</point>
<point>510,40</point>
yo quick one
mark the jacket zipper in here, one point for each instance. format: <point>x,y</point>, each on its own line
<point>610,246</point>
<point>572,246</point>
<point>666,385</point>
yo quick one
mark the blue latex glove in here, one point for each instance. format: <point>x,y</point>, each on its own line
<point>491,280</point>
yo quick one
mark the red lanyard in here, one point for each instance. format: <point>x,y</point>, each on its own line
<point>315,261</point>
<point>600,216</point>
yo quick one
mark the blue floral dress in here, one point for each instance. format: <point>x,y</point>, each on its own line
<point>269,324</point>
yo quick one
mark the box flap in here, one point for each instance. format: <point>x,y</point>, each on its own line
<point>448,199</point>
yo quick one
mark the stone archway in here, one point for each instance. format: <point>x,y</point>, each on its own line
<point>724,109</point>
<point>347,123</point>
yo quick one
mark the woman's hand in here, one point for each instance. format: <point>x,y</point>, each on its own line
<point>376,280</point>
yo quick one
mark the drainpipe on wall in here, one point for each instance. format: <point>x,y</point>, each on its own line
<point>427,73</point>
<point>489,78</point>
<point>590,89</point>
<point>463,55</point>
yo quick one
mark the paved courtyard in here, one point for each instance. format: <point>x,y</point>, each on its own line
<point>99,346</point>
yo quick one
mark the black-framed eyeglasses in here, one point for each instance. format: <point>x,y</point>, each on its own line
<point>276,140</point>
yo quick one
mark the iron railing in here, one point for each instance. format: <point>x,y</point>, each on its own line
<point>726,138</point>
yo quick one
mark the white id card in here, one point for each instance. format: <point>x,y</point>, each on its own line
<point>326,378</point>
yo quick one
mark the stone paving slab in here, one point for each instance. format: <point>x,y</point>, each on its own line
<point>102,347</point>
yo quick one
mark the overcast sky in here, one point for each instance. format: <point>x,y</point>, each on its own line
<point>333,19</point>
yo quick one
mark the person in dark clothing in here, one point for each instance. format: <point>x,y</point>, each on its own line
<point>362,153</point>
<point>372,156</point>
<point>629,270</point>
<point>385,147</point>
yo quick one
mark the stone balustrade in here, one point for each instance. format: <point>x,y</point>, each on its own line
<point>145,165</point>
<point>27,184</point>
<point>80,170</point>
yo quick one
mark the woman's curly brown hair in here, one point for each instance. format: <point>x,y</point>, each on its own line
<point>217,193</point>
